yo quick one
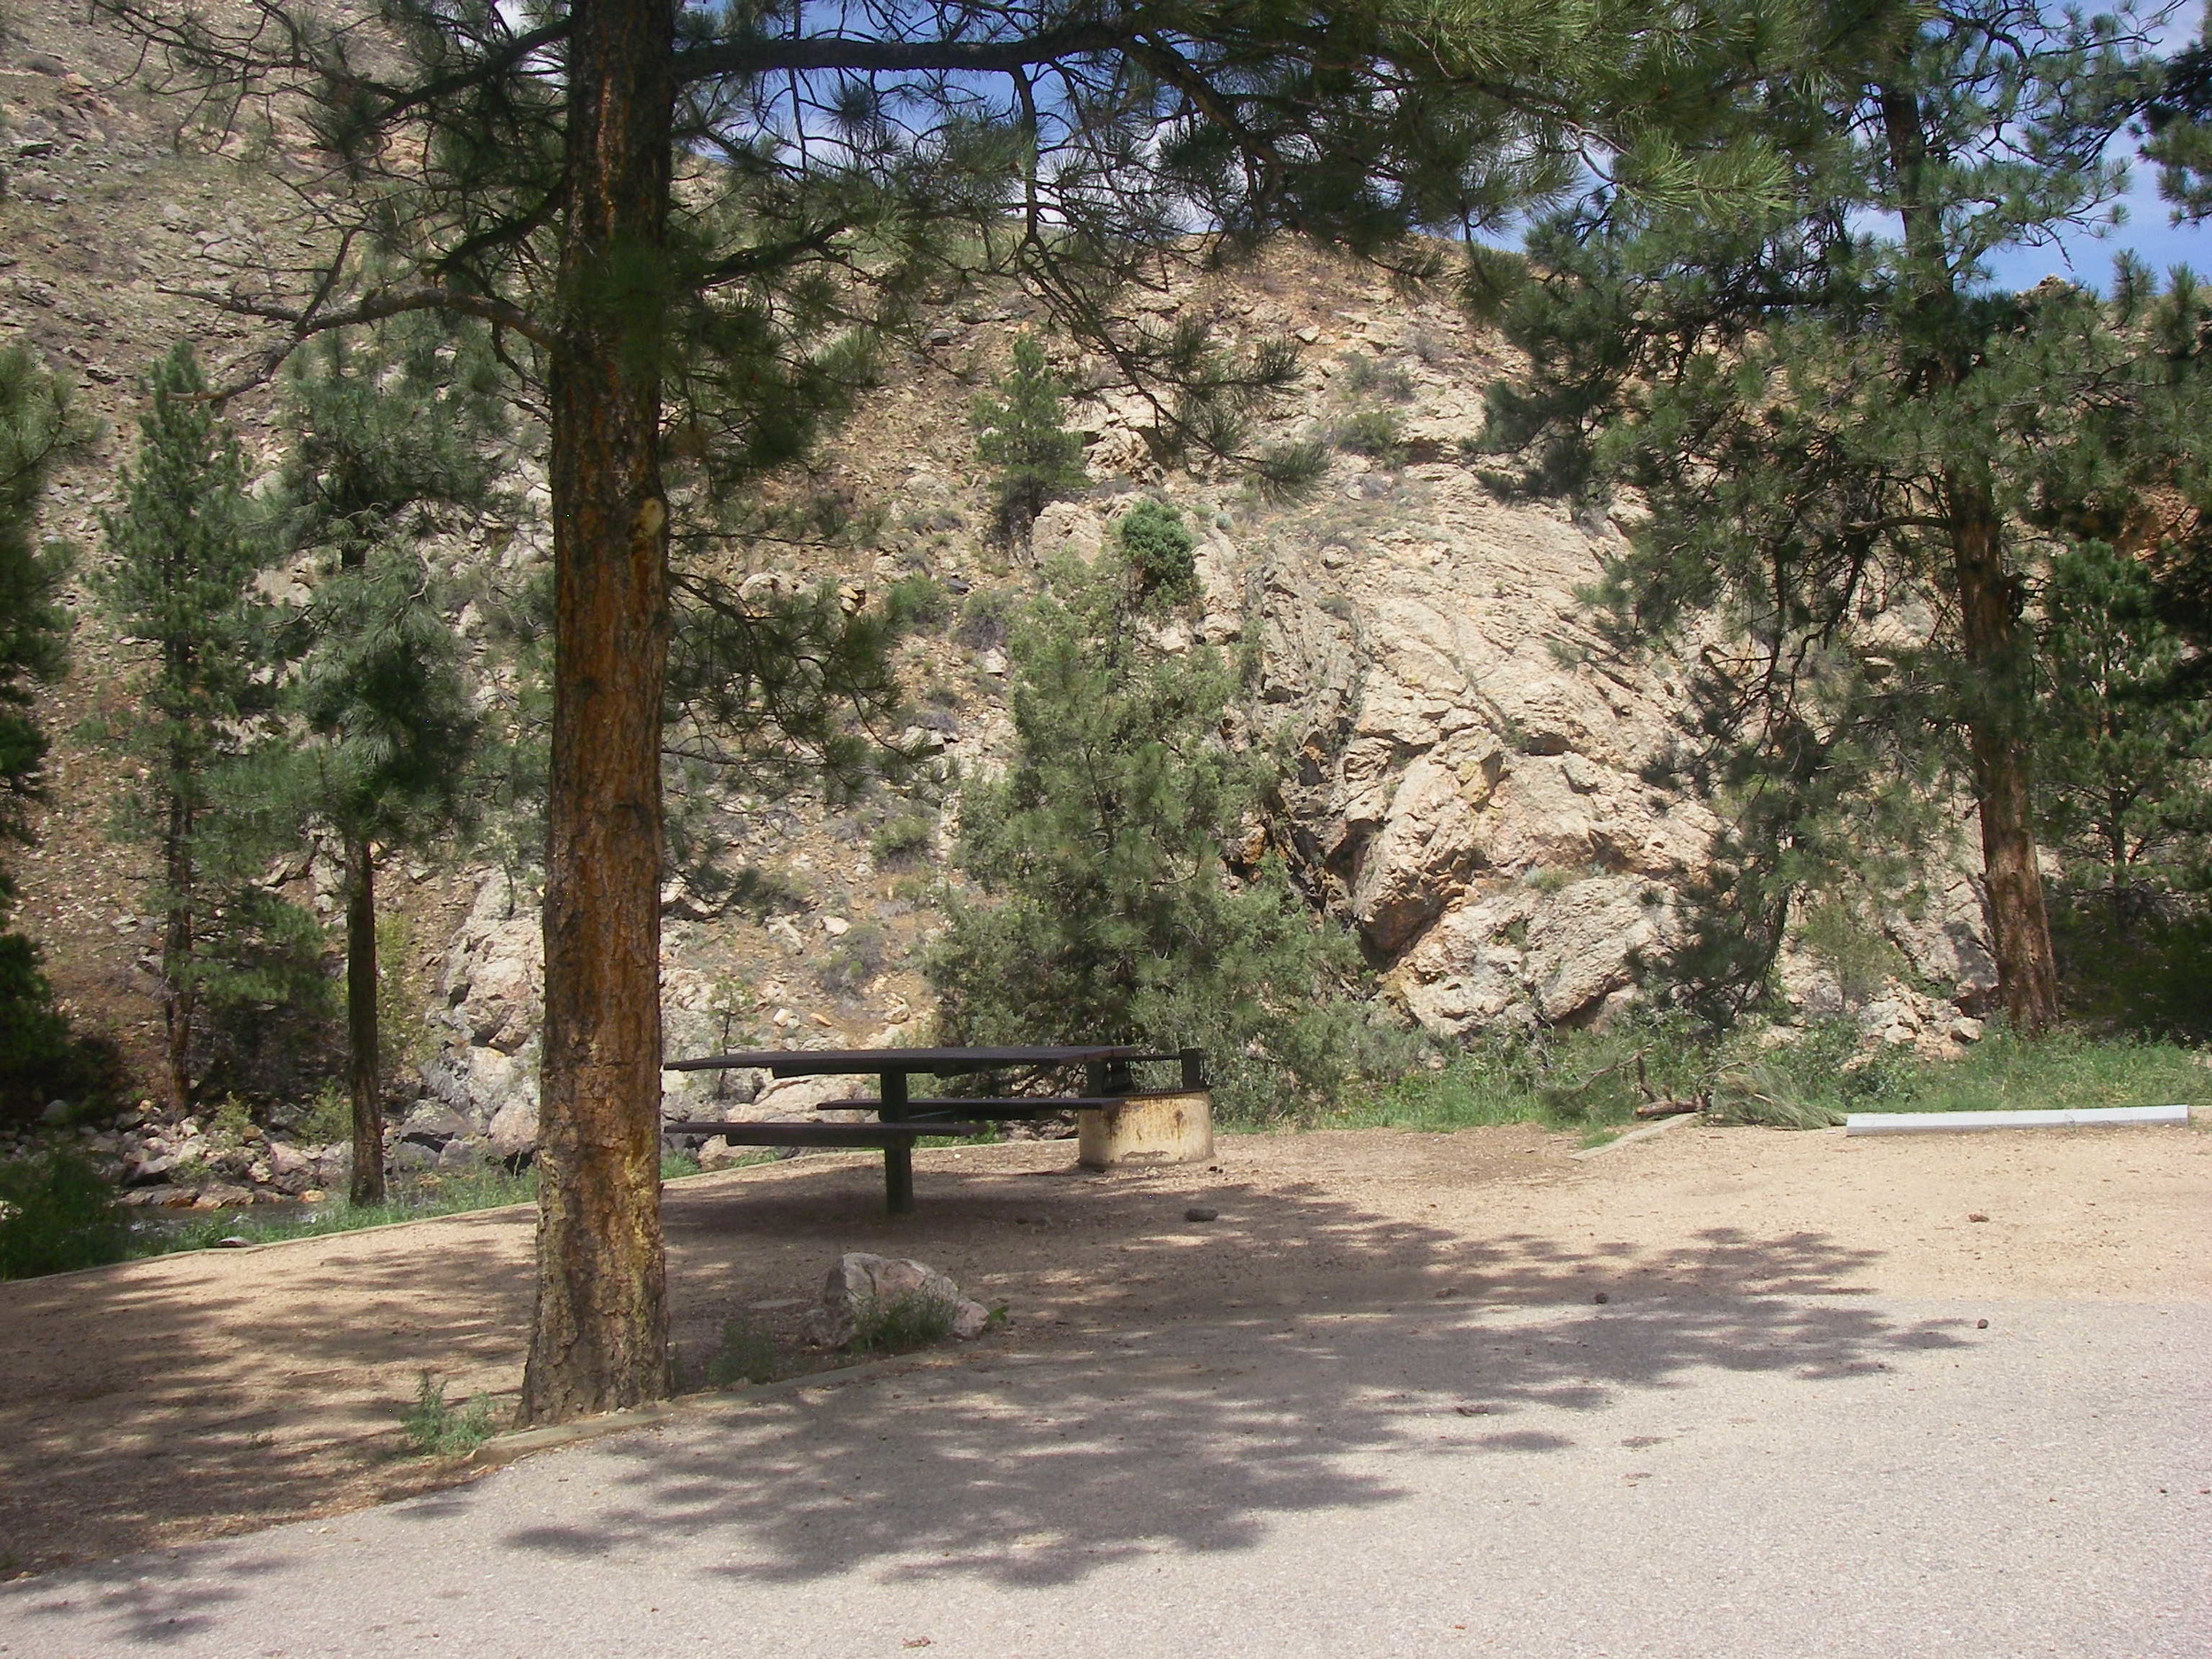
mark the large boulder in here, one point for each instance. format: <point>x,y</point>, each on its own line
<point>495,974</point>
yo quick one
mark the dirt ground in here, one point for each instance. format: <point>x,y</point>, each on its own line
<point>162,1400</point>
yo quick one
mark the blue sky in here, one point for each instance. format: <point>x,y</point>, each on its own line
<point>2148,233</point>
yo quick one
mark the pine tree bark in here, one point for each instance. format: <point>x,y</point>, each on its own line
<point>363,1082</point>
<point>2012,876</point>
<point>180,995</point>
<point>600,1339</point>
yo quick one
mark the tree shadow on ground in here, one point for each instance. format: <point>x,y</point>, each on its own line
<point>219,1409</point>
<point>1075,1447</point>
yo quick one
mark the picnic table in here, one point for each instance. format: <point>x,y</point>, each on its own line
<point>902,1118</point>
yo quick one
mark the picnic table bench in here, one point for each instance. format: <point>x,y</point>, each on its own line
<point>902,1118</point>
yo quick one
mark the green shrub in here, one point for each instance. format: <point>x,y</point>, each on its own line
<point>56,1213</point>
<point>1159,549</point>
<point>901,841</point>
<point>436,1428</point>
<point>328,1117</point>
<point>1104,908</point>
<point>2149,978</point>
<point>41,1059</point>
<point>919,602</point>
<point>1373,433</point>
<point>1365,376</point>
<point>1287,470</point>
<point>854,959</point>
<point>986,616</point>
<point>1858,956</point>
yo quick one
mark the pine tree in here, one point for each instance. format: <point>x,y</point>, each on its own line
<point>1018,432</point>
<point>2126,766</point>
<point>180,555</point>
<point>840,182</point>
<point>382,731</point>
<point>1105,907</point>
<point>1842,432</point>
<point>38,428</point>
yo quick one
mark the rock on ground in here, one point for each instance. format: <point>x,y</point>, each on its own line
<point>861,1283</point>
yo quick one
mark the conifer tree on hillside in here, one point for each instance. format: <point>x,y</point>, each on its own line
<point>843,177</point>
<point>1843,432</point>
<point>1105,907</point>
<point>38,428</point>
<point>2126,765</point>
<point>1019,433</point>
<point>180,556</point>
<point>381,733</point>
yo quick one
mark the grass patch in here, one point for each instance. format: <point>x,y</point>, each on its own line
<point>748,1354</point>
<point>901,1324</point>
<point>1580,1081</point>
<point>423,1199</point>
<point>436,1428</point>
<point>2065,1071</point>
<point>1771,1097</point>
<point>1588,1081</point>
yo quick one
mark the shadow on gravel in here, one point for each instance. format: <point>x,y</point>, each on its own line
<point>197,1394</point>
<point>1130,1437</point>
<point>1165,1386</point>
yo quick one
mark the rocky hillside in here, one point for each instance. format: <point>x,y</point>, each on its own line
<point>1471,791</point>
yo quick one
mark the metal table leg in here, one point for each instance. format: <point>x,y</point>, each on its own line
<point>898,1159</point>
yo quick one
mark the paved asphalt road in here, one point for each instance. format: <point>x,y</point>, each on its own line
<point>1783,1476</point>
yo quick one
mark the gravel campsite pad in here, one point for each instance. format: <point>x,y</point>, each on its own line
<point>191,1395</point>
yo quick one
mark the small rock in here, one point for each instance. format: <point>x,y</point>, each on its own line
<point>1981,1324</point>
<point>433,1125</point>
<point>1472,1412</point>
<point>1201,1212</point>
<point>1966,1029</point>
<point>719,1153</point>
<point>1600,1296</point>
<point>860,1281</point>
<point>1978,1218</point>
<point>287,1162</point>
<point>234,1242</point>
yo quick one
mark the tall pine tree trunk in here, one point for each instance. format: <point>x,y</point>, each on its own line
<point>362,1080</point>
<point>600,1336</point>
<point>1997,735</point>
<point>179,992</point>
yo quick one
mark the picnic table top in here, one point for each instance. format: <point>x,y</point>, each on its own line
<point>932,1062</point>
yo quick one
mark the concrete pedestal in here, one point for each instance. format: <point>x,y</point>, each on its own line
<point>1174,1126</point>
